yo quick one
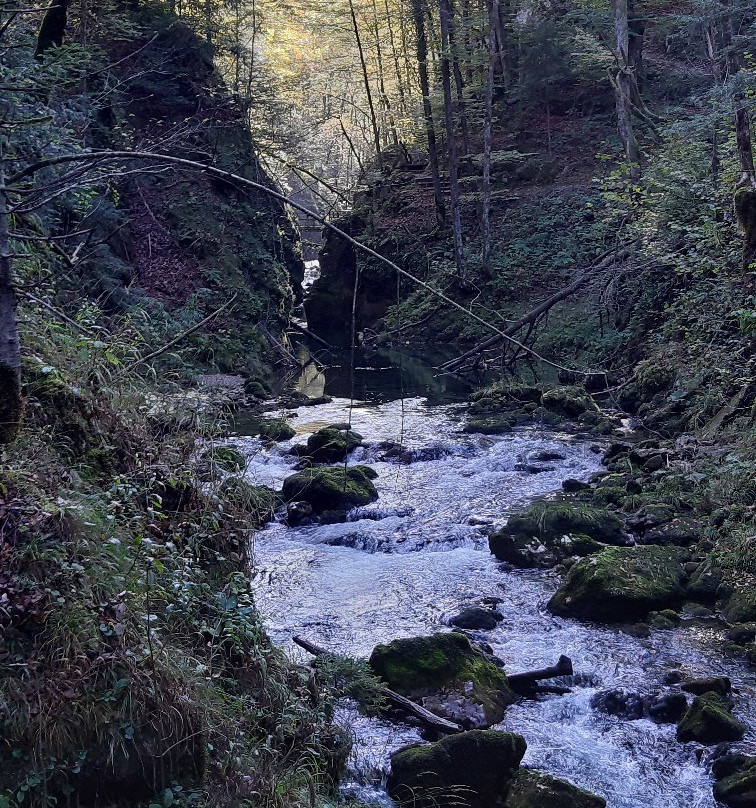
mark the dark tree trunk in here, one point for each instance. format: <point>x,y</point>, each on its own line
<point>10,359</point>
<point>430,130</point>
<point>486,217</point>
<point>459,85</point>
<point>623,89</point>
<point>368,91</point>
<point>53,27</point>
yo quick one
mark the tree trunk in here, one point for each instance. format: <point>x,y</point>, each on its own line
<point>384,99</point>
<point>366,80</point>
<point>623,90</point>
<point>11,405</point>
<point>486,217</point>
<point>459,85</point>
<point>451,146</point>
<point>53,27</point>
<point>430,129</point>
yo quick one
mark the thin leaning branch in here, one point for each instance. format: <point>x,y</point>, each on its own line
<point>183,162</point>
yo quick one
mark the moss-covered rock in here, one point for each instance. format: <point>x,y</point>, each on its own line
<point>470,770</point>
<point>534,789</point>
<point>490,424</point>
<point>622,583</point>
<point>332,488</point>
<point>257,502</point>
<point>275,429</point>
<point>569,402</point>
<point>448,675</point>
<point>741,605</point>
<point>332,443</point>
<point>736,783</point>
<point>708,720</point>
<point>547,533</point>
<point>226,457</point>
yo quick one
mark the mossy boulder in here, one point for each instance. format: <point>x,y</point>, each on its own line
<point>547,533</point>
<point>447,675</point>
<point>332,443</point>
<point>257,502</point>
<point>736,781</point>
<point>534,789</point>
<point>275,429</point>
<point>622,584</point>
<point>332,488</point>
<point>226,457</point>
<point>491,424</point>
<point>505,395</point>
<point>708,720</point>
<point>741,605</point>
<point>568,401</point>
<point>469,770</point>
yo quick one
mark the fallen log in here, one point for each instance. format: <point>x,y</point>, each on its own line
<point>528,679</point>
<point>392,697</point>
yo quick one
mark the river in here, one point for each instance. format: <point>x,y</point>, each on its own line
<point>402,566</point>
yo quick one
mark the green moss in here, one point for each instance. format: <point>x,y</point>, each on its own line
<point>534,789</point>
<point>741,605</point>
<point>738,788</point>
<point>469,770</point>
<point>569,402</point>
<point>708,720</point>
<point>622,583</point>
<point>257,502</point>
<point>275,429</point>
<point>421,664</point>
<point>332,443</point>
<point>490,425</point>
<point>330,488</point>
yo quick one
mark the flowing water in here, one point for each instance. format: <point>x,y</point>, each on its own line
<point>403,565</point>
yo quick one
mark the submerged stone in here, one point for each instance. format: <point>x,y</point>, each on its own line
<point>332,443</point>
<point>735,781</point>
<point>476,617</point>
<point>469,770</point>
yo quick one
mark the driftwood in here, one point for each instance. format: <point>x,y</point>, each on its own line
<point>532,316</point>
<point>527,680</point>
<point>393,698</point>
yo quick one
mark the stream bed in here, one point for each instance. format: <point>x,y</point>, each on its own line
<point>402,566</point>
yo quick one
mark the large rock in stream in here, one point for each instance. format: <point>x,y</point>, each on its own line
<point>534,789</point>
<point>470,770</point>
<point>332,444</point>
<point>332,488</point>
<point>735,784</point>
<point>447,675</point>
<point>547,533</point>
<point>709,720</point>
<point>622,584</point>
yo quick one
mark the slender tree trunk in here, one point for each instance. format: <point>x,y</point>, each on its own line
<point>53,27</point>
<point>501,43</point>
<point>458,84</point>
<point>10,357</point>
<point>395,58</point>
<point>384,99</point>
<point>451,146</point>
<point>486,217</point>
<point>366,81</point>
<point>623,90</point>
<point>430,129</point>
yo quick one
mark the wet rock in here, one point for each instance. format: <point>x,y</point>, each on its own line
<point>668,709</point>
<point>332,443</point>
<point>664,619</point>
<point>298,513</point>
<point>742,634</point>
<point>332,488</point>
<point>683,531</point>
<point>546,456</point>
<point>622,584</point>
<point>534,789</point>
<point>708,720</point>
<point>705,581</point>
<point>569,402</point>
<point>619,702</point>
<point>490,425</point>
<point>711,684</point>
<point>530,468</point>
<point>476,617</point>
<point>741,605</point>
<point>274,429</point>
<point>572,486</point>
<point>447,675</point>
<point>735,784</point>
<point>469,770</point>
